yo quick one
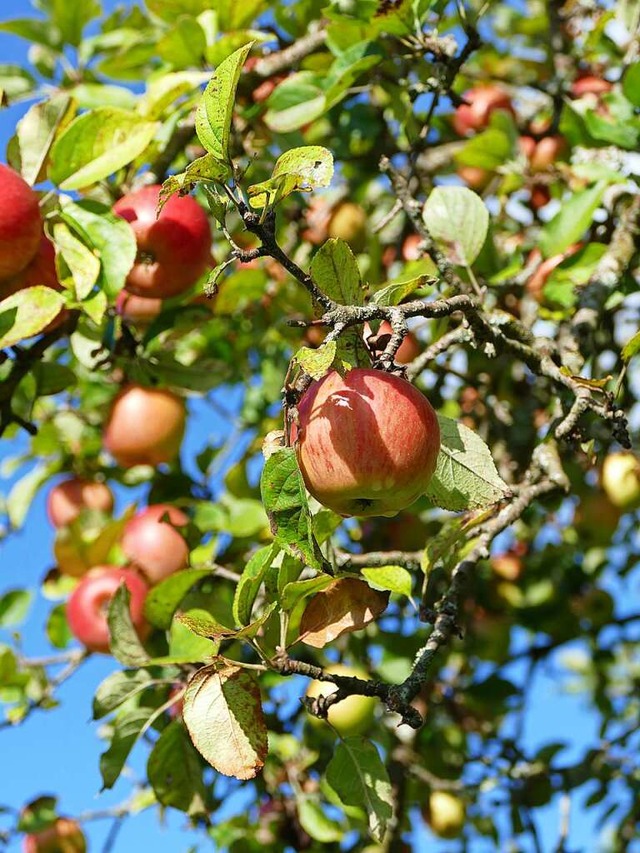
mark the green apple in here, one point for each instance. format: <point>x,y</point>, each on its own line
<point>352,716</point>
<point>621,479</point>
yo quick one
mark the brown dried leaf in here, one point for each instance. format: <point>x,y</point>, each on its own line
<point>347,605</point>
<point>223,714</point>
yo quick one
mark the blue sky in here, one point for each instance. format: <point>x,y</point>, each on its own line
<point>57,752</point>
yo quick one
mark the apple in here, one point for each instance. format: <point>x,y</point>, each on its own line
<point>137,310</point>
<point>482,101</point>
<point>540,196</point>
<point>535,285</point>
<point>154,546</point>
<point>63,836</point>
<point>349,222</point>
<point>41,270</point>
<point>89,603</point>
<point>596,518</point>
<point>145,426</point>
<point>354,715</point>
<point>590,84</point>
<point>543,153</point>
<point>67,499</point>
<point>411,247</point>
<point>20,223</point>
<point>408,349</point>
<point>474,177</point>
<point>367,443</point>
<point>445,814</point>
<point>621,479</point>
<point>174,247</point>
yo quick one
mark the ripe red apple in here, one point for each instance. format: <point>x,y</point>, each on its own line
<point>155,546</point>
<point>349,222</point>
<point>137,310</point>
<point>145,426</point>
<point>67,499</point>
<point>482,101</point>
<point>445,814</point>
<point>367,443</point>
<point>40,271</point>
<point>354,715</point>
<point>474,177</point>
<point>20,223</point>
<point>621,479</point>
<point>408,349</point>
<point>590,84</point>
<point>89,603</point>
<point>63,836</point>
<point>174,249</point>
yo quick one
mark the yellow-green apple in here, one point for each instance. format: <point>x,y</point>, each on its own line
<point>145,426</point>
<point>137,310</point>
<point>352,716</point>
<point>63,836</point>
<point>596,518</point>
<point>349,222</point>
<point>367,443</point>
<point>154,546</point>
<point>67,499</point>
<point>621,479</point>
<point>174,247</point>
<point>20,223</point>
<point>445,814</point>
<point>481,102</point>
<point>88,605</point>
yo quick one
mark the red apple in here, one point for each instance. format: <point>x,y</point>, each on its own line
<point>66,501</point>
<point>155,546</point>
<point>145,426</point>
<point>411,247</point>
<point>63,836</point>
<point>41,271</point>
<point>349,222</point>
<point>367,443</point>
<point>137,310</point>
<point>482,101</point>
<point>174,248</point>
<point>540,196</point>
<point>20,223</point>
<point>89,603</point>
<point>547,152</point>
<point>408,350</point>
<point>474,177</point>
<point>590,84</point>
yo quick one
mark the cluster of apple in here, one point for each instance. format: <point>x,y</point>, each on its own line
<point>27,256</point>
<point>62,836</point>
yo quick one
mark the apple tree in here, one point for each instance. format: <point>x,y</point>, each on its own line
<point>393,244</point>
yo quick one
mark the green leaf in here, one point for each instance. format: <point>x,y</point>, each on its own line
<point>58,631</point>
<point>110,237</point>
<point>347,67</point>
<point>395,291</point>
<point>117,688</point>
<point>335,270</point>
<point>162,92</point>
<point>184,44</point>
<point>465,475</point>
<point>296,591</point>
<point>213,118</point>
<point>631,348</point>
<point>22,494</point>
<point>234,16</point>
<point>458,219</point>
<point>250,582</point>
<point>27,313</point>
<point>174,771</point>
<point>316,362</point>
<point>15,81</point>
<point>486,150</point>
<point>205,625</point>
<point>359,778</point>
<point>71,18</point>
<point>125,643</point>
<point>126,731</point>
<point>169,10</point>
<point>52,378</point>
<point>392,578</point>
<point>83,264</point>
<point>223,714</point>
<point>97,144</point>
<point>36,132</point>
<point>297,101</point>
<point>285,501</point>
<point>631,84</point>
<point>14,606</point>
<point>298,170</point>
<point>315,822</point>
<point>571,221</point>
<point>187,647</point>
<point>163,600</point>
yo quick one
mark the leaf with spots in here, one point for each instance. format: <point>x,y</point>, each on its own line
<point>346,605</point>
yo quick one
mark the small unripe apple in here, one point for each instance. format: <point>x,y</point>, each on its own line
<point>88,605</point>
<point>482,101</point>
<point>596,518</point>
<point>63,836</point>
<point>349,222</point>
<point>367,443</point>
<point>145,426</point>
<point>137,310</point>
<point>408,349</point>
<point>155,547</point>
<point>20,223</point>
<point>590,84</point>
<point>446,814</point>
<point>67,499</point>
<point>621,479</point>
<point>354,715</point>
<point>174,247</point>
